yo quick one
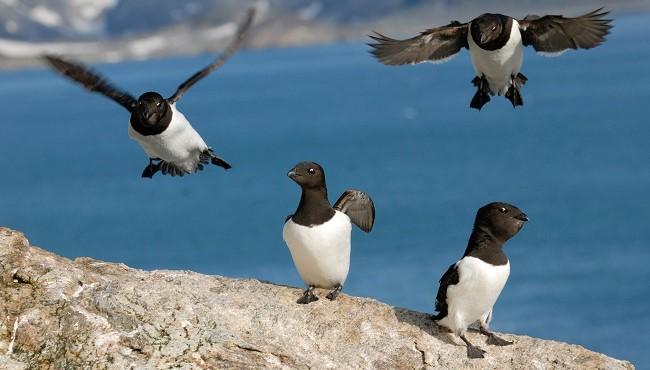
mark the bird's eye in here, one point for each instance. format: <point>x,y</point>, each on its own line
<point>503,210</point>
<point>311,171</point>
<point>494,28</point>
<point>140,103</point>
<point>158,104</point>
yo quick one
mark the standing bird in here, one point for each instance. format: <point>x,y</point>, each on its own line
<point>161,130</point>
<point>471,286</point>
<point>318,235</point>
<point>496,44</point>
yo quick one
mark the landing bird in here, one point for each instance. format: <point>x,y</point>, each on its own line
<point>161,130</point>
<point>318,235</point>
<point>471,286</point>
<point>496,44</point>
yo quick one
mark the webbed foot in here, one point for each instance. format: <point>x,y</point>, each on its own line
<point>482,96</point>
<point>519,80</point>
<point>493,339</point>
<point>472,350</point>
<point>334,293</point>
<point>308,296</point>
<point>475,352</point>
<point>514,96</point>
<point>497,341</point>
<point>151,169</point>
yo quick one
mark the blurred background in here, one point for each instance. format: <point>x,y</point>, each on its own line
<point>113,30</point>
<point>575,157</point>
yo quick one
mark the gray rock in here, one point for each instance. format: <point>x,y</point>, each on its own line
<point>56,313</point>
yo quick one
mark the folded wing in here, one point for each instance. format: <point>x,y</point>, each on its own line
<point>236,42</point>
<point>433,45</point>
<point>90,80</point>
<point>449,278</point>
<point>553,34</point>
<point>359,207</point>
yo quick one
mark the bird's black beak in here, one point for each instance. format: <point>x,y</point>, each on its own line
<point>522,217</point>
<point>292,174</point>
<point>145,115</point>
<point>483,38</point>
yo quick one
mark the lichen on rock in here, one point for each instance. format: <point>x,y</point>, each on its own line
<point>56,313</point>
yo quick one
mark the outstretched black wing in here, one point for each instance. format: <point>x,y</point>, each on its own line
<point>553,34</point>
<point>243,28</point>
<point>433,45</point>
<point>359,207</point>
<point>90,80</point>
<point>449,278</point>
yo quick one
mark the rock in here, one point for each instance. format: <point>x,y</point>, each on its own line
<point>56,313</point>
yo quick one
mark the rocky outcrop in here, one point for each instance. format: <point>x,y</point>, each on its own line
<point>56,313</point>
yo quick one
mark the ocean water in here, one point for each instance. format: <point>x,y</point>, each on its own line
<point>575,158</point>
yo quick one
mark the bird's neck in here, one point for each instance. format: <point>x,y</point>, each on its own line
<point>486,246</point>
<point>314,208</point>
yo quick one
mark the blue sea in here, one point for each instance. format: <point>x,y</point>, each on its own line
<point>575,158</point>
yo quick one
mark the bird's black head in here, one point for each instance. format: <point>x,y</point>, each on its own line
<point>502,220</point>
<point>308,175</point>
<point>151,108</point>
<point>490,29</point>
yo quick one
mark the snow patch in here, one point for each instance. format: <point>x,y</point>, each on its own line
<point>262,8</point>
<point>222,31</point>
<point>146,46</point>
<point>311,11</point>
<point>11,26</point>
<point>91,9</point>
<point>45,16</point>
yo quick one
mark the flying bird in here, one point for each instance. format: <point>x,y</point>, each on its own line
<point>471,286</point>
<point>163,132</point>
<point>496,44</point>
<point>318,235</point>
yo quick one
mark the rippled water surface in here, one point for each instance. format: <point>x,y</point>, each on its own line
<point>575,158</point>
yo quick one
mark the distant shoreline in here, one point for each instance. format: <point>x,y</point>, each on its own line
<point>185,41</point>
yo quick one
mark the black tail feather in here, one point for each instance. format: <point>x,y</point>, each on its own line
<point>215,160</point>
<point>220,162</point>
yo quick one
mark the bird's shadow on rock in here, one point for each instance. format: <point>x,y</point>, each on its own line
<point>425,323</point>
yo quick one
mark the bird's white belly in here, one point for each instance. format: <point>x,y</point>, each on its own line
<point>321,253</point>
<point>179,144</point>
<point>479,286</point>
<point>498,66</point>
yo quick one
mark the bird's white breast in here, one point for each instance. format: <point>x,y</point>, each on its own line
<point>321,253</point>
<point>472,299</point>
<point>498,66</point>
<point>179,144</point>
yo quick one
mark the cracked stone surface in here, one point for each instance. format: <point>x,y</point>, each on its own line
<point>56,313</point>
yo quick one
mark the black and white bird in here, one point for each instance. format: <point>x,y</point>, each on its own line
<point>162,131</point>
<point>496,44</point>
<point>471,286</point>
<point>318,235</point>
